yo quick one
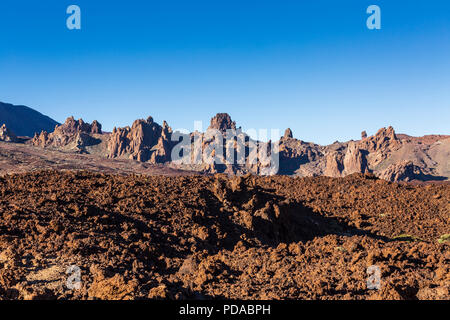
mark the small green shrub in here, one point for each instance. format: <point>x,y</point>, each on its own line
<point>406,237</point>
<point>444,238</point>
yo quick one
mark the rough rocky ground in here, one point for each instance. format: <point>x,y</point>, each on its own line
<point>201,237</point>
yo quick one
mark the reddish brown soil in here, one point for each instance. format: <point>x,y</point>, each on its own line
<point>140,237</point>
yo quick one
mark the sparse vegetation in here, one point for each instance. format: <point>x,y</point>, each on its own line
<point>444,238</point>
<point>406,237</point>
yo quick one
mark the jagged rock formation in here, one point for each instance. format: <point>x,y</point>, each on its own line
<point>384,139</point>
<point>225,148</point>
<point>296,155</point>
<point>221,128</point>
<point>96,127</point>
<point>334,164</point>
<point>76,134</point>
<point>288,134</point>
<point>391,156</point>
<point>354,159</point>
<point>144,141</point>
<point>7,135</point>
<point>222,122</point>
<point>361,156</point>
<point>148,142</point>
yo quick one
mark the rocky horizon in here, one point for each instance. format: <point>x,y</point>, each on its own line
<point>387,155</point>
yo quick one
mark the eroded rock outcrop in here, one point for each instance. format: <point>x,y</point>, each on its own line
<point>295,154</point>
<point>96,127</point>
<point>7,135</point>
<point>220,148</point>
<point>354,160</point>
<point>362,156</point>
<point>225,148</point>
<point>288,134</point>
<point>380,146</point>
<point>76,132</point>
<point>147,141</point>
<point>334,164</point>
<point>144,141</point>
<point>222,122</point>
<point>384,140</point>
<point>403,171</point>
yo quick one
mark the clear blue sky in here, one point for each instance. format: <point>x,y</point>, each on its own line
<point>312,66</point>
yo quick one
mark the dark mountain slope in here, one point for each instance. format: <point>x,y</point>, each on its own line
<point>24,121</point>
